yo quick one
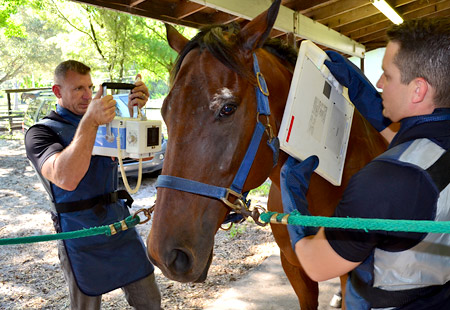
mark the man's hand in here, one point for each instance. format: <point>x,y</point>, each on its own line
<point>294,183</point>
<point>101,110</point>
<point>360,91</point>
<point>138,96</point>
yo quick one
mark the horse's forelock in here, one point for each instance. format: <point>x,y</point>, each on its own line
<point>222,42</point>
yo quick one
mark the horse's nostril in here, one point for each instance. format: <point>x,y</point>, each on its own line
<point>181,263</point>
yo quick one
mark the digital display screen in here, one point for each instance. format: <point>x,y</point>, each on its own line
<point>153,136</point>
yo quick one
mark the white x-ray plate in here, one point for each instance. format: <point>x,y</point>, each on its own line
<point>317,118</point>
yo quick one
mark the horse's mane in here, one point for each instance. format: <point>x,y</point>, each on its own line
<point>221,41</point>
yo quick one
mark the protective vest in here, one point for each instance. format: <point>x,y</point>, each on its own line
<point>100,263</point>
<point>392,279</point>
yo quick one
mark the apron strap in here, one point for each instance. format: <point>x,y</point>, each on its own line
<point>102,200</point>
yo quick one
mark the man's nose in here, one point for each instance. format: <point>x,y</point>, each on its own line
<point>87,94</point>
<point>380,82</point>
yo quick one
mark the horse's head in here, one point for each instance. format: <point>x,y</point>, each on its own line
<point>211,114</point>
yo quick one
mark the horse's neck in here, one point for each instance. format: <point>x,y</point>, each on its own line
<point>279,86</point>
<point>279,93</point>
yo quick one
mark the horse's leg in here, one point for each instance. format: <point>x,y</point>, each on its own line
<point>344,279</point>
<point>307,290</point>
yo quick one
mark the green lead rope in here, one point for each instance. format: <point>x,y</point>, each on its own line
<point>108,230</point>
<point>418,226</point>
<point>294,218</point>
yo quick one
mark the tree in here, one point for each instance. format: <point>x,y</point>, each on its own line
<point>115,45</point>
<point>118,43</point>
<point>8,26</point>
<point>32,53</point>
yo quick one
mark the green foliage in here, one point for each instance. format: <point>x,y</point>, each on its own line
<point>15,135</point>
<point>115,45</point>
<point>30,55</point>
<point>262,190</point>
<point>237,229</point>
<point>8,26</point>
<point>158,89</point>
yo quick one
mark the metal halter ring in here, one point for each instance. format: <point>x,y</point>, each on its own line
<point>268,127</point>
<point>147,212</point>
<point>265,92</point>
<point>235,206</point>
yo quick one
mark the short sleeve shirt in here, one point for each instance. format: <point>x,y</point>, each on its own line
<point>40,143</point>
<point>388,190</point>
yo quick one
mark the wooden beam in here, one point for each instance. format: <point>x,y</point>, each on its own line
<point>410,11</point>
<point>151,9</point>
<point>334,9</point>
<point>290,21</point>
<point>306,5</point>
<point>350,17</point>
<point>186,8</point>
<point>135,2</point>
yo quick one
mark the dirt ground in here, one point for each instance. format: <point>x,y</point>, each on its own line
<point>30,277</point>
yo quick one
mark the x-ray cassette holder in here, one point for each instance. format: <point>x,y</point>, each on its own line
<point>317,118</point>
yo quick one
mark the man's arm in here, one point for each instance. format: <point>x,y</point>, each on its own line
<point>66,169</point>
<point>360,91</point>
<point>315,253</point>
<point>319,260</point>
<point>370,194</point>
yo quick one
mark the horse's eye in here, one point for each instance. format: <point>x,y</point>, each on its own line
<point>227,110</point>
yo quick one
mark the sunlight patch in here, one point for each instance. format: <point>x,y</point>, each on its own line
<point>5,171</point>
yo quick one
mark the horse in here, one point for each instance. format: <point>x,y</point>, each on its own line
<point>212,115</point>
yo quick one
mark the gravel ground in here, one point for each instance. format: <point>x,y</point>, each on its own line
<point>30,277</point>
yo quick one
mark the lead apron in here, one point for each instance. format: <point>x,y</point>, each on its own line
<point>99,263</point>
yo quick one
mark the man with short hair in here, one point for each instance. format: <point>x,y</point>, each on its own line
<point>83,191</point>
<point>390,270</point>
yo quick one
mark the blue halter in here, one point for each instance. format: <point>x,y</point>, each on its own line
<point>240,204</point>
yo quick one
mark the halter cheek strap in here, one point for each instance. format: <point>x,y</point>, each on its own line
<point>240,204</point>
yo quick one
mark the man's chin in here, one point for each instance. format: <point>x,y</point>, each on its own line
<point>82,110</point>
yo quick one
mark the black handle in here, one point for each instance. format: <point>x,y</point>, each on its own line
<point>111,85</point>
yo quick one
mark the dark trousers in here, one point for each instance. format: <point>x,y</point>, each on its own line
<point>142,294</point>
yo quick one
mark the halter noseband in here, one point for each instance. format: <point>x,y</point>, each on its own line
<point>241,204</point>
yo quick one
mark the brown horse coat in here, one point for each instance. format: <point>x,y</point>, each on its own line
<point>210,114</point>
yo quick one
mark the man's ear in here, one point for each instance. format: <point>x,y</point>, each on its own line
<point>422,96</point>
<point>420,88</point>
<point>57,91</point>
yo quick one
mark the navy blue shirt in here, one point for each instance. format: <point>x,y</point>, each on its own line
<point>388,191</point>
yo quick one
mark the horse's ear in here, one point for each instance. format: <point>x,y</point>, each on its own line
<point>175,39</point>
<point>255,33</point>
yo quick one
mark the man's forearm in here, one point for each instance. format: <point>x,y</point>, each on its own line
<point>319,260</point>
<point>67,168</point>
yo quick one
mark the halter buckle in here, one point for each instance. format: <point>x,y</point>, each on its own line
<point>263,90</point>
<point>238,204</point>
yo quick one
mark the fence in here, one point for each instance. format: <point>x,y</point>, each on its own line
<point>11,120</point>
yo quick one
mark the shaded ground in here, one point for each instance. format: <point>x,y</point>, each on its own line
<point>30,277</point>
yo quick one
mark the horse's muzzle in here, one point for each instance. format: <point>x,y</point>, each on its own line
<point>178,267</point>
<point>179,262</point>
